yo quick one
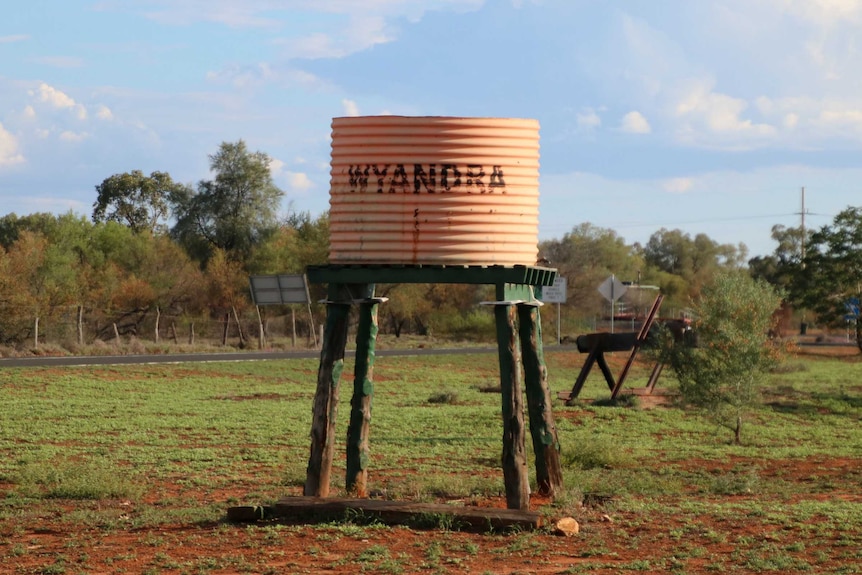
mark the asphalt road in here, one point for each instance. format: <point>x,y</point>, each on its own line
<point>47,361</point>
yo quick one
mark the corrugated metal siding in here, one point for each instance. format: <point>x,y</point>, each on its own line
<point>434,190</point>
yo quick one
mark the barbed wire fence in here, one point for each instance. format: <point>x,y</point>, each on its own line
<point>74,328</point>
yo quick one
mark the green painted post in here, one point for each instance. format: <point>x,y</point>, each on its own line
<point>546,445</point>
<point>326,398</point>
<point>514,460</point>
<point>360,404</point>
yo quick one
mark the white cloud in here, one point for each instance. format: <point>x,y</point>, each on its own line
<point>350,107</point>
<point>296,181</point>
<point>767,74</point>
<point>635,123</point>
<point>678,185</point>
<point>70,136</point>
<point>705,113</point>
<point>791,120</point>
<point>259,75</point>
<point>9,154</point>
<point>812,122</point>
<point>275,167</point>
<point>361,32</point>
<point>350,26</point>
<point>54,97</point>
<point>234,14</point>
<point>104,113</point>
<point>317,45</point>
<point>29,112</point>
<point>841,121</point>
<point>588,119</point>
<point>823,12</point>
<point>299,181</point>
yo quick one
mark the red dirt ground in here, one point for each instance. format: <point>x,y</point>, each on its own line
<point>608,542</point>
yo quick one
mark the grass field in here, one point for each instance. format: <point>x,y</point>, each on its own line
<point>131,469</point>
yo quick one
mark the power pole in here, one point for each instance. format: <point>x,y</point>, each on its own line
<point>803,326</point>
<point>802,240</point>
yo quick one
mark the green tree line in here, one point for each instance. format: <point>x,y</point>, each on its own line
<point>156,252</point>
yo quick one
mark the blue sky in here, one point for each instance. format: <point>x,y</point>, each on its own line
<point>706,116</point>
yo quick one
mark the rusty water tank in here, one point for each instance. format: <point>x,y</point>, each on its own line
<point>434,190</point>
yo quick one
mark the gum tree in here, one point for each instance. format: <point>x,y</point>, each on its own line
<point>143,203</point>
<point>235,211</point>
<point>830,276</point>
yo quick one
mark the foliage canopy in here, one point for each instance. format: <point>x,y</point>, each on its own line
<point>722,373</point>
<point>830,275</point>
<point>233,212</point>
<point>141,202</point>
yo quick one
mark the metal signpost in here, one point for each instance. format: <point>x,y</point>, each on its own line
<point>556,294</point>
<point>612,289</point>
<point>852,315</point>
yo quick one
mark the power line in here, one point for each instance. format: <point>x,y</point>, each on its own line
<point>624,225</point>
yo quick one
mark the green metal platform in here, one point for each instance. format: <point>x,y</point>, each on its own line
<point>458,274</point>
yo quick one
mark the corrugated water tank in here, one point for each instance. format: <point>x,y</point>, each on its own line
<point>434,190</point>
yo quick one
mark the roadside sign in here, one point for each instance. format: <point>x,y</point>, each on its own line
<point>852,307</point>
<point>612,289</point>
<point>555,293</point>
<point>279,290</point>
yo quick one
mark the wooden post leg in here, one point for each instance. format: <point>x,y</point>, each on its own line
<point>653,377</point>
<point>360,404</point>
<point>606,371</point>
<point>543,429</point>
<point>582,376</point>
<point>326,400</point>
<point>514,458</point>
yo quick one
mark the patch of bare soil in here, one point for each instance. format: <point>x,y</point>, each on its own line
<point>64,537</point>
<point>845,351</point>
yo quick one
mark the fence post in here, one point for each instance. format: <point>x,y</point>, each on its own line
<point>158,317</point>
<point>261,334</point>
<point>80,325</point>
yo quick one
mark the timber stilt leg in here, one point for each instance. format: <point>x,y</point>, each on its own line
<point>360,404</point>
<point>514,460</point>
<point>543,429</point>
<point>326,400</point>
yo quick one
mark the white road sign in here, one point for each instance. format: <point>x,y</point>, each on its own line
<point>555,293</point>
